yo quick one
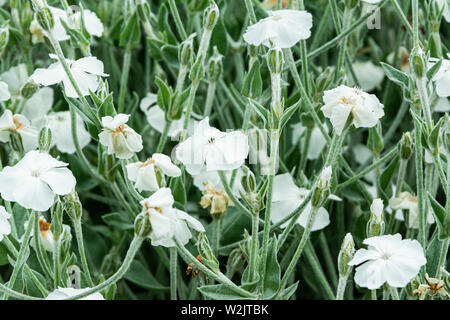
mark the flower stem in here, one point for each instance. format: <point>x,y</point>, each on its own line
<point>163,137</point>
<point>173,273</point>
<point>254,247</point>
<point>394,293</point>
<point>56,262</point>
<point>81,250</point>
<point>176,17</point>
<point>217,224</point>
<point>209,98</point>
<point>124,78</point>
<point>341,287</point>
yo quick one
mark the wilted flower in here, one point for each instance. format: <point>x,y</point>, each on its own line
<point>388,259</point>
<point>85,71</point>
<point>156,117</point>
<point>287,197</point>
<point>20,125</point>
<point>343,102</point>
<point>34,181</point>
<point>64,293</point>
<point>4,92</point>
<point>166,221</point>
<point>145,174</point>
<point>5,226</point>
<point>211,149</point>
<point>407,201</point>
<point>282,29</point>
<point>433,287</point>
<point>442,79</point>
<point>217,199</point>
<point>120,139</point>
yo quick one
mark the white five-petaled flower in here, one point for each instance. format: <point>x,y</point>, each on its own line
<point>64,293</point>
<point>287,197</point>
<point>156,117</point>
<point>85,71</point>
<point>17,123</point>
<point>281,29</point>
<point>168,222</point>
<point>120,139</point>
<point>92,23</point>
<point>5,226</point>
<point>35,180</point>
<point>388,259</point>
<point>211,149</point>
<point>61,126</point>
<point>406,201</point>
<point>4,91</point>
<point>442,79</point>
<point>342,102</point>
<point>145,174</point>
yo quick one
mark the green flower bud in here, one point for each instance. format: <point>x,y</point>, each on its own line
<point>214,69</point>
<point>45,139</point>
<point>346,255</point>
<point>323,81</point>
<point>186,51</point>
<point>4,37</point>
<point>73,206</point>
<point>406,146</point>
<point>375,141</point>
<point>248,180</point>
<point>29,89</point>
<point>375,227</point>
<point>143,9</point>
<point>16,142</point>
<point>275,60</point>
<point>57,219</point>
<point>206,252</point>
<point>211,16</point>
<point>13,4</point>
<point>418,62</point>
<point>322,189</point>
<point>142,225</point>
<point>45,19</point>
<point>197,71</point>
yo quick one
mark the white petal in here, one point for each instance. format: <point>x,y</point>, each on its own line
<point>61,180</point>
<point>165,164</point>
<point>192,222</point>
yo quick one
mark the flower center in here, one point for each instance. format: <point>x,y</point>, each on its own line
<point>35,173</point>
<point>121,128</point>
<point>211,140</point>
<point>385,256</point>
<point>148,162</point>
<point>19,125</point>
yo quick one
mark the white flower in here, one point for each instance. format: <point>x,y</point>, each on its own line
<point>446,5</point>
<point>168,222</point>
<point>317,142</point>
<point>34,181</point>
<point>92,23</point>
<point>282,28</point>
<point>156,117</point>
<point>388,259</point>
<point>212,177</point>
<point>212,149</point>
<point>406,201</point>
<point>342,102</point>
<point>15,77</point>
<point>46,234</point>
<point>369,75</point>
<point>17,123</point>
<point>145,174</point>
<point>64,293</point>
<point>287,197</point>
<point>120,139</point>
<point>5,226</point>
<point>39,104</point>
<point>61,126</point>
<point>4,92</point>
<point>442,79</point>
<point>85,72</point>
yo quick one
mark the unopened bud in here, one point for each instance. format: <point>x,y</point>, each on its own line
<point>205,251</point>
<point>57,219</point>
<point>248,180</point>
<point>211,16</point>
<point>375,227</point>
<point>275,60</point>
<point>406,146</point>
<point>323,81</point>
<point>45,19</point>
<point>29,89</point>
<point>4,37</point>
<point>45,139</point>
<point>214,69</point>
<point>322,190</point>
<point>186,51</point>
<point>418,62</point>
<point>142,225</point>
<point>72,205</point>
<point>346,255</point>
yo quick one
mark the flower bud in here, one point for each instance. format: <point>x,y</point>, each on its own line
<point>186,51</point>
<point>206,252</point>
<point>406,146</point>
<point>248,180</point>
<point>418,62</point>
<point>375,226</point>
<point>142,225</point>
<point>375,141</point>
<point>45,19</point>
<point>143,9</point>
<point>29,89</point>
<point>16,142</point>
<point>323,81</point>
<point>346,255</point>
<point>275,60</point>
<point>4,37</point>
<point>45,139</point>
<point>214,69</point>
<point>197,71</point>
<point>57,219</point>
<point>73,206</point>
<point>322,190</point>
<point>211,16</point>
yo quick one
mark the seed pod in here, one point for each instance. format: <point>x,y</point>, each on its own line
<point>142,225</point>
<point>346,255</point>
